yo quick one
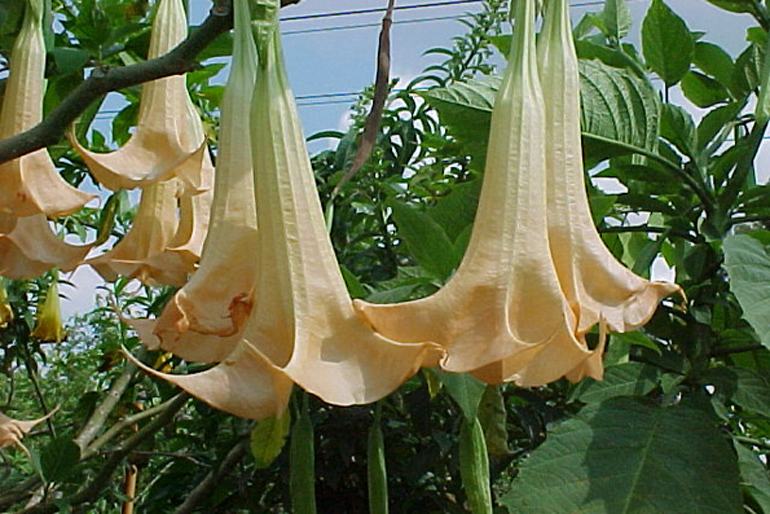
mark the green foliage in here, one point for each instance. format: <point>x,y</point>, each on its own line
<point>626,455</point>
<point>748,263</point>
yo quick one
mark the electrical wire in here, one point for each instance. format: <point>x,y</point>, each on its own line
<point>375,10</point>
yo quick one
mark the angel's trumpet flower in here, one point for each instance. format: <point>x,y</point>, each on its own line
<point>303,327</point>
<point>503,308</point>
<point>596,285</point>
<point>31,249</point>
<point>12,431</point>
<point>169,139</point>
<point>30,184</point>
<point>49,327</point>
<point>203,321</point>
<point>6,313</point>
<point>160,247</point>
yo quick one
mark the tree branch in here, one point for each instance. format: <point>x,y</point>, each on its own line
<point>203,489</point>
<point>104,80</point>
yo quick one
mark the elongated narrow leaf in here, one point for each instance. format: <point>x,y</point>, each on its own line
<point>625,455</point>
<point>268,439</point>
<point>465,390</point>
<point>748,266</point>
<point>754,476</point>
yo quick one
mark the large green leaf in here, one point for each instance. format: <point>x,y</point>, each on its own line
<point>667,43</point>
<point>426,240</point>
<point>629,379</point>
<point>628,456</point>
<point>59,458</point>
<point>619,110</point>
<point>617,17</point>
<point>754,476</point>
<point>748,266</point>
<point>739,6</point>
<point>742,386</point>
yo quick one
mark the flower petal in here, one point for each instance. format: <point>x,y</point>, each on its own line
<point>594,282</point>
<point>169,139</point>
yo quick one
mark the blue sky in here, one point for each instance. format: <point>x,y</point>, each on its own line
<point>323,62</point>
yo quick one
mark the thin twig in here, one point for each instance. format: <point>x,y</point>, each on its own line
<point>381,83</point>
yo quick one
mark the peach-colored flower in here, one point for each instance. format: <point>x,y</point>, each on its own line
<point>594,282</point>
<point>12,431</point>
<point>169,139</point>
<point>31,249</point>
<point>164,241</point>
<point>503,310</point>
<point>30,185</point>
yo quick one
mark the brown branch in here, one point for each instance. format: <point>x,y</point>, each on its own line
<point>104,80</point>
<point>204,488</point>
<point>92,490</point>
<point>381,83</point>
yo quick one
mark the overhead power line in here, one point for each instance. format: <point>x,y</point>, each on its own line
<point>375,10</point>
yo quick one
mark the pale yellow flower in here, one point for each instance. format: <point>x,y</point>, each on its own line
<point>594,282</point>
<point>6,313</point>
<point>503,314</point>
<point>49,326</point>
<point>30,184</point>
<point>169,139</point>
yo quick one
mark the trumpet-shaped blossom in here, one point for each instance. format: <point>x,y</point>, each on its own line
<point>596,285</point>
<point>31,249</point>
<point>49,327</point>
<point>164,242</point>
<point>6,313</point>
<point>12,431</point>
<point>503,310</point>
<point>169,139</point>
<point>303,327</point>
<point>30,185</point>
<point>203,321</point>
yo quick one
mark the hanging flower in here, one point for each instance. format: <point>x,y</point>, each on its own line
<point>596,285</point>
<point>6,313</point>
<point>503,309</point>
<point>12,431</point>
<point>31,249</point>
<point>49,327</point>
<point>303,327</point>
<point>169,139</point>
<point>164,242</point>
<point>204,320</point>
<point>30,184</point>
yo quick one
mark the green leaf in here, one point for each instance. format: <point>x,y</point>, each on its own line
<point>464,389</point>
<point>754,476</point>
<point>715,120</point>
<point>455,211</point>
<point>426,240</point>
<point>69,60</point>
<point>742,386</point>
<point>667,43</point>
<point>703,91</point>
<point>59,458</point>
<point>492,417</point>
<point>737,6</point>
<point>748,265</point>
<point>714,61</point>
<point>627,455</point>
<point>629,379</point>
<point>466,109</point>
<point>268,439</point>
<point>678,127</point>
<point>617,18</point>
<point>747,72</point>
<point>474,467</point>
